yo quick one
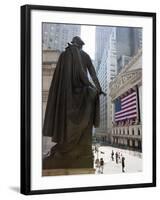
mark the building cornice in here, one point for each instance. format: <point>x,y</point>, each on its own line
<point>127,78</point>
<point>125,82</point>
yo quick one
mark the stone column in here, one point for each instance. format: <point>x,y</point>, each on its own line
<point>140,101</point>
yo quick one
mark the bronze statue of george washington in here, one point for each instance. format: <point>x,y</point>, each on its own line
<point>72,109</point>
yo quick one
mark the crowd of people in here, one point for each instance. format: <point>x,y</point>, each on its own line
<point>119,158</point>
<point>115,156</point>
<point>99,165</point>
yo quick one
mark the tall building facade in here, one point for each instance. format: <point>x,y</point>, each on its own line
<point>101,131</point>
<point>106,73</point>
<point>56,36</point>
<point>111,74</point>
<point>129,40</point>
<point>126,97</point>
<point>122,45</point>
<point>101,43</point>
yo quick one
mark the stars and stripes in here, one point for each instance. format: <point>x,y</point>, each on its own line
<point>126,107</point>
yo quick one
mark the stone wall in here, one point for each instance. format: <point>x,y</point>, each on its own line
<point>50,58</point>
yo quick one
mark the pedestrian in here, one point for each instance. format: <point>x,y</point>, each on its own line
<point>97,163</point>
<point>117,157</point>
<point>96,149</point>
<point>101,165</point>
<point>123,163</point>
<point>112,155</point>
<point>121,157</point>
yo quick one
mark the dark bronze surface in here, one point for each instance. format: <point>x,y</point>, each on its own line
<point>72,111</point>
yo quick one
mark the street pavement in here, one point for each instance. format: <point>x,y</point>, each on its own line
<point>133,160</point>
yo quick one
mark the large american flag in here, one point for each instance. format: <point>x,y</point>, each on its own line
<point>126,107</point>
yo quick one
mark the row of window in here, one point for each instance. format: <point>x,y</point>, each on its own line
<point>122,132</point>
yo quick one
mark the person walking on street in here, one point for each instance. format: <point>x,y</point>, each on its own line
<point>123,163</point>
<point>97,163</point>
<point>117,157</point>
<point>101,165</point>
<point>96,149</point>
<point>112,155</point>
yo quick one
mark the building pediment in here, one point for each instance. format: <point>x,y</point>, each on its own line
<point>125,81</point>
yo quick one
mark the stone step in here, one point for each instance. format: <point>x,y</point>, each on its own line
<point>57,172</point>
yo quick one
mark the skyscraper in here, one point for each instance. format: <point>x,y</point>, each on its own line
<point>129,40</point>
<point>56,36</point>
<point>101,42</point>
<point>106,73</point>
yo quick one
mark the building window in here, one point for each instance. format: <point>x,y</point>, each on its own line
<point>132,131</point>
<point>128,131</point>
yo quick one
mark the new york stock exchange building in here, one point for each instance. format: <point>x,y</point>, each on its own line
<point>126,104</point>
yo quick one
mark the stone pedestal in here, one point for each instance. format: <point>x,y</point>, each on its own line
<point>58,172</point>
<point>70,155</point>
<point>80,156</point>
<point>66,162</point>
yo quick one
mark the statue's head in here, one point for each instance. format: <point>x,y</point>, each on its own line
<point>77,41</point>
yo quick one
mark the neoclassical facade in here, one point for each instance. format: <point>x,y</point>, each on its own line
<point>50,58</point>
<point>128,134</point>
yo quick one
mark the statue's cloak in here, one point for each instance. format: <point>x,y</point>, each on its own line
<point>73,103</point>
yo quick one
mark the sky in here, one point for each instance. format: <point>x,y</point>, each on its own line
<point>88,36</point>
